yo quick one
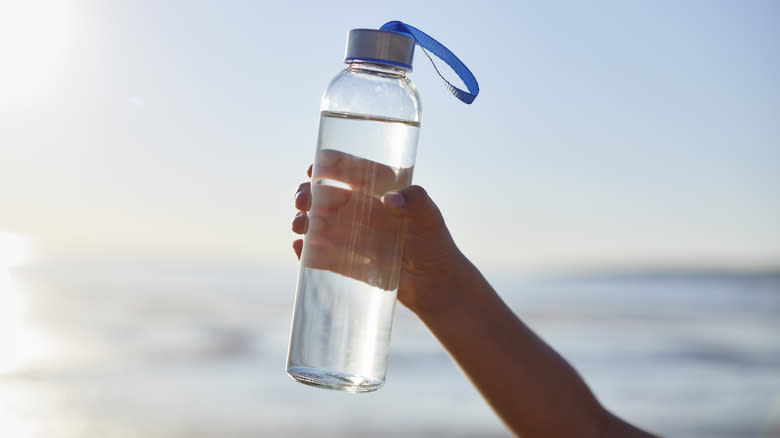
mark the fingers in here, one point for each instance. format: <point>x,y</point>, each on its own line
<point>351,233</point>
<point>300,223</point>
<point>359,173</point>
<point>303,197</point>
<point>328,199</point>
<point>356,251</point>
<point>354,237</point>
<point>344,208</point>
<point>348,229</point>
<point>298,247</point>
<point>381,271</point>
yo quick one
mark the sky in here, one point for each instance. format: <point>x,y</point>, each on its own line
<point>606,134</point>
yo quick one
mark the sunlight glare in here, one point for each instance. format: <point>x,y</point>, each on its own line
<point>32,36</point>
<point>18,343</point>
<point>12,250</point>
<point>11,423</point>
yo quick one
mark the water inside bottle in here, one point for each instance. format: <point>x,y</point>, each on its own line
<point>351,260</point>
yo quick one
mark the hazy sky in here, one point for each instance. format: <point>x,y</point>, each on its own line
<point>605,133</point>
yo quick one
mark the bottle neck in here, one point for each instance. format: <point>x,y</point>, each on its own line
<point>360,66</point>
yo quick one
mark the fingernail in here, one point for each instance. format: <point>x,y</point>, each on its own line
<point>393,200</point>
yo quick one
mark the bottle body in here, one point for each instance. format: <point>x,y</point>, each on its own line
<point>351,258</point>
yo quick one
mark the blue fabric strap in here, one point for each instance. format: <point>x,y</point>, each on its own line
<point>427,43</point>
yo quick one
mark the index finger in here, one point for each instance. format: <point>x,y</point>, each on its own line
<point>359,173</point>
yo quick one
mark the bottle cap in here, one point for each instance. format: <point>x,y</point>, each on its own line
<point>379,46</point>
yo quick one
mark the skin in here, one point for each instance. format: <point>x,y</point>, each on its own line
<point>534,391</point>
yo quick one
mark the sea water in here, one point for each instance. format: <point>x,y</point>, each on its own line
<point>351,259</point>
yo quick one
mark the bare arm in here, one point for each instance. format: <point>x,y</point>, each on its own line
<point>531,388</point>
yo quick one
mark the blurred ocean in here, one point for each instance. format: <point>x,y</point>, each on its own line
<point>200,352</point>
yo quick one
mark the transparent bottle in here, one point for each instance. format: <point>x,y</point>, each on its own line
<point>351,258</point>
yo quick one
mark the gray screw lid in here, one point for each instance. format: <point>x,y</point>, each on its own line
<point>380,46</point>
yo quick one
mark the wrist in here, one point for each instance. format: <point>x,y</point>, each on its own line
<point>449,291</point>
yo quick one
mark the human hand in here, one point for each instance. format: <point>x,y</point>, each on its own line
<point>362,230</point>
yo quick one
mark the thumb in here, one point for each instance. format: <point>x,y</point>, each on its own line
<point>414,203</point>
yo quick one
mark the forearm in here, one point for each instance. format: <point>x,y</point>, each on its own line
<point>534,391</point>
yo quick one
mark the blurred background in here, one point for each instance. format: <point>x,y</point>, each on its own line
<point>617,181</point>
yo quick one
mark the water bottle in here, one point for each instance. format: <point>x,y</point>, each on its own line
<point>351,258</point>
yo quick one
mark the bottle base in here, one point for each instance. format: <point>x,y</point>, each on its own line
<point>334,380</point>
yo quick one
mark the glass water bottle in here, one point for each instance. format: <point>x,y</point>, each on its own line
<point>351,258</point>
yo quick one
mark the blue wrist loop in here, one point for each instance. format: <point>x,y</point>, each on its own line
<point>427,43</point>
